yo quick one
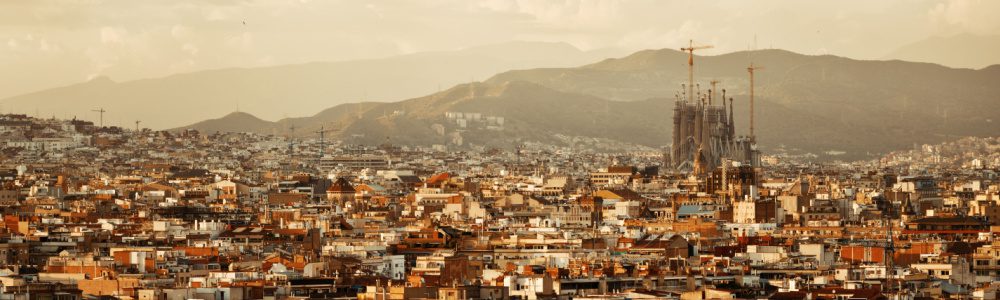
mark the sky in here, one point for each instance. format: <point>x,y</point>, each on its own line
<point>47,43</point>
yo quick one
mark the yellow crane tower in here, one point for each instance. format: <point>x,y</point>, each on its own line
<point>751,69</point>
<point>690,50</point>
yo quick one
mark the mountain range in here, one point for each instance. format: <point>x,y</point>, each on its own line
<point>804,103</point>
<point>291,90</point>
<point>961,50</point>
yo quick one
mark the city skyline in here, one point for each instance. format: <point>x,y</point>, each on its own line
<point>499,149</point>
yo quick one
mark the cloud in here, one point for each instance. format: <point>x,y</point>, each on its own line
<point>44,46</point>
<point>375,10</point>
<point>217,14</point>
<point>100,62</point>
<point>653,38</point>
<point>975,16</point>
<point>179,31</point>
<point>242,41</point>
<point>405,47</point>
<point>190,49</point>
<point>564,14</point>
<point>110,35</point>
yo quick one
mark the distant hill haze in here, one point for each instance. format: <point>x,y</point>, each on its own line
<point>809,102</point>
<point>959,51</point>
<point>804,104</point>
<point>291,90</point>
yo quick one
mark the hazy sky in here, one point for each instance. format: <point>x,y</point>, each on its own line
<point>52,42</point>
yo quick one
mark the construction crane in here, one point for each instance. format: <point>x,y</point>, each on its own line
<point>690,50</point>
<point>291,141</point>
<point>322,131</point>
<point>711,94</point>
<point>101,111</point>
<point>751,70</point>
<point>889,246</point>
<point>890,254</point>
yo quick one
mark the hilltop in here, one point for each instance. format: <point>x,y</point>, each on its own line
<point>292,90</point>
<point>805,104</point>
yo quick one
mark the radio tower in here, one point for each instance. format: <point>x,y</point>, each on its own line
<point>690,50</point>
<point>137,125</point>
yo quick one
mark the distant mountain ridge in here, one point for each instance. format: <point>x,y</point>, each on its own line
<point>292,90</point>
<point>959,51</point>
<point>805,104</point>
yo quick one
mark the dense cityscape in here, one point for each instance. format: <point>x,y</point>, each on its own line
<point>499,149</point>
<point>93,211</point>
